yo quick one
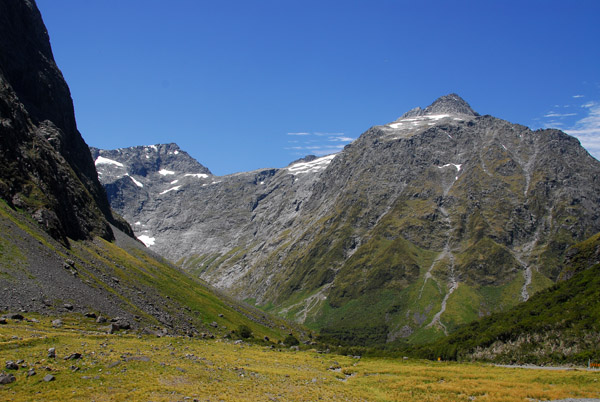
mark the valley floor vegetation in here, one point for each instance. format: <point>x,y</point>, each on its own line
<point>91,365</point>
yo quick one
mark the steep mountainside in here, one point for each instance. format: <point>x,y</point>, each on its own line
<point>60,248</point>
<point>114,279</point>
<point>559,324</point>
<point>46,168</point>
<point>420,225</point>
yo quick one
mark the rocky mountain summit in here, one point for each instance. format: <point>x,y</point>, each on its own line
<point>418,226</point>
<point>145,171</point>
<point>451,104</point>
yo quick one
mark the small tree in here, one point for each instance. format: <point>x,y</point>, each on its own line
<point>245,331</point>
<point>291,340</point>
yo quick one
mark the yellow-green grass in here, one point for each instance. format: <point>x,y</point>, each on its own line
<point>127,367</point>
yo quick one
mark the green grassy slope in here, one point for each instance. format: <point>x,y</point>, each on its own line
<point>556,325</point>
<point>113,279</point>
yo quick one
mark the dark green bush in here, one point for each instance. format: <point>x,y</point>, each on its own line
<point>291,340</point>
<point>244,331</point>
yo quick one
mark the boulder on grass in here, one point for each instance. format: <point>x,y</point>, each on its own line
<point>7,378</point>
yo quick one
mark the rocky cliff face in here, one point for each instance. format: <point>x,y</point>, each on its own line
<point>45,164</point>
<point>142,172</point>
<point>59,261</point>
<point>418,226</point>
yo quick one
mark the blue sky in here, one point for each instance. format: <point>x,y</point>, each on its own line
<point>244,85</point>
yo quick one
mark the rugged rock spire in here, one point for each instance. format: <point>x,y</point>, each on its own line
<point>447,104</point>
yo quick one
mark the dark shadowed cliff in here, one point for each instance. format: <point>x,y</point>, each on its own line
<point>46,166</point>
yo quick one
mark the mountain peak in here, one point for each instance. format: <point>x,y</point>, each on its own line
<point>447,104</point>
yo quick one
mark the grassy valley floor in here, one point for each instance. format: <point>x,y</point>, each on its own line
<point>130,367</point>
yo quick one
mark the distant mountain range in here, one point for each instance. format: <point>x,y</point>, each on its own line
<point>417,229</point>
<point>431,221</point>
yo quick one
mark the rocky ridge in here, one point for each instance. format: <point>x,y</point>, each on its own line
<point>418,226</point>
<point>146,185</point>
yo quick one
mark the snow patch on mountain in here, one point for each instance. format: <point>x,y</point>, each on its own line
<point>165,172</point>
<point>198,175</point>
<point>137,183</point>
<point>311,167</point>
<point>147,240</point>
<point>412,122</point>
<point>170,189</point>
<point>451,164</point>
<point>100,160</point>
<point>456,166</point>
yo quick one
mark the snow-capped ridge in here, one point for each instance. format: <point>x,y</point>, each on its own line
<point>100,160</point>
<point>313,166</point>
<point>449,107</point>
<point>412,122</point>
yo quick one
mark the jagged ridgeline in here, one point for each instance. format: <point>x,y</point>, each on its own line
<point>420,225</point>
<point>62,250</point>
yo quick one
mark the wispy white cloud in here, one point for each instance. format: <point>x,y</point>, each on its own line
<point>341,139</point>
<point>318,150</point>
<point>587,130</point>
<point>318,143</point>
<point>554,114</point>
<point>321,134</point>
<point>581,121</point>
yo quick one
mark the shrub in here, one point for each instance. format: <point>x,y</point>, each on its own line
<point>245,331</point>
<point>291,340</point>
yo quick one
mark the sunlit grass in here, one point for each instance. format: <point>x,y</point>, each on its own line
<point>127,367</point>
